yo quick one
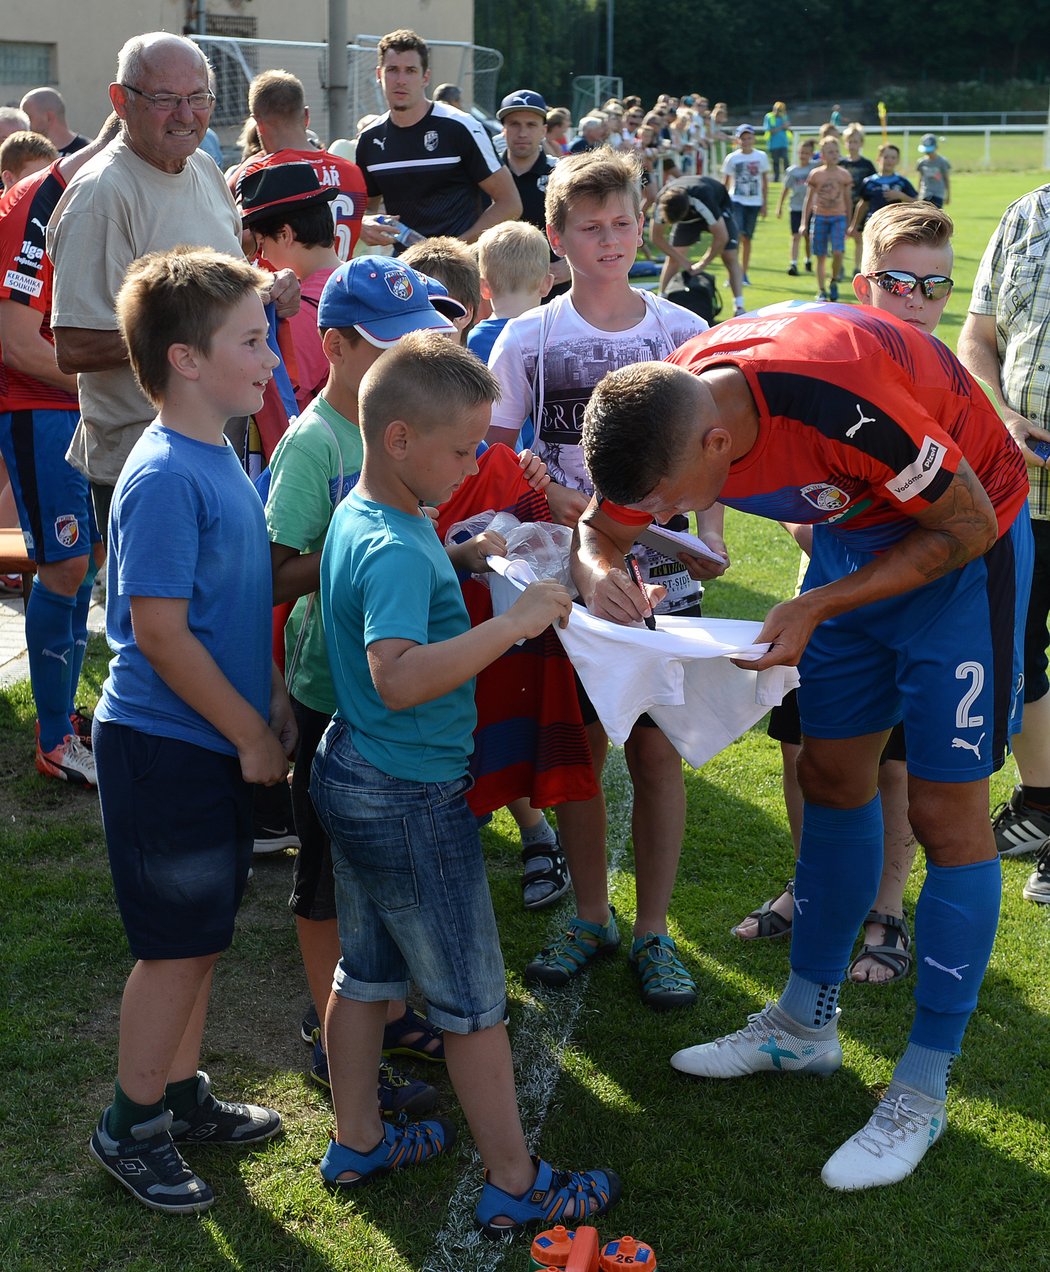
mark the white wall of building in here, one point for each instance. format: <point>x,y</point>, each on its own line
<point>83,36</point>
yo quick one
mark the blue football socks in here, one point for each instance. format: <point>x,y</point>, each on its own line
<point>955,922</point>
<point>836,879</point>
<point>49,638</point>
<point>82,603</point>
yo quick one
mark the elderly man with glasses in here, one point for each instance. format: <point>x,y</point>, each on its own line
<point>148,191</point>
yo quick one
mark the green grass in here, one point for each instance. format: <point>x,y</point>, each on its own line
<point>966,152</point>
<point>715,1176</point>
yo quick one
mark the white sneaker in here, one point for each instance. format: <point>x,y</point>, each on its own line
<point>890,1145</point>
<point>771,1042</point>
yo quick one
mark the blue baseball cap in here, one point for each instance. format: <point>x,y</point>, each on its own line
<point>382,299</point>
<point>523,99</point>
<point>745,128</point>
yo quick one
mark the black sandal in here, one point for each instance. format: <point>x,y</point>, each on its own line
<point>771,925</point>
<point>897,957</point>
<point>544,864</point>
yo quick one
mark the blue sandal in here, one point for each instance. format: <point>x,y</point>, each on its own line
<point>556,1196</point>
<point>568,954</point>
<point>412,1035</point>
<point>407,1144</point>
<point>664,981</point>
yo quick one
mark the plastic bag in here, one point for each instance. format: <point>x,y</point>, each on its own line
<point>545,547</point>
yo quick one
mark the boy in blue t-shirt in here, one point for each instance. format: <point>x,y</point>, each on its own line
<point>192,704</point>
<point>886,187</point>
<point>389,778</point>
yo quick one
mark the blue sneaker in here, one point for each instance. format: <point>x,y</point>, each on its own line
<point>150,1167</point>
<point>220,1122</point>
<point>833,291</point>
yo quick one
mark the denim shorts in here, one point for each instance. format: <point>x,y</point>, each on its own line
<point>746,218</point>
<point>828,230</point>
<point>411,892</point>
<point>178,823</point>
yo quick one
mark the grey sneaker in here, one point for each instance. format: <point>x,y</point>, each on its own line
<point>149,1166</point>
<point>770,1042</point>
<point>890,1144</point>
<point>219,1122</point>
<point>1038,886</point>
<point>1019,829</point>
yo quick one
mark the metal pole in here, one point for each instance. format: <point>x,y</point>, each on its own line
<point>610,15</point>
<point>202,17</point>
<point>337,70</point>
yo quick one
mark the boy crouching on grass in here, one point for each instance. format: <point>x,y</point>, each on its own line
<point>193,710</point>
<point>388,782</point>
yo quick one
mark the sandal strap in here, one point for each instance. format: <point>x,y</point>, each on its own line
<point>411,1022</point>
<point>892,923</point>
<point>554,869</point>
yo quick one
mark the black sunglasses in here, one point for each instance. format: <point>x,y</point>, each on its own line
<point>902,282</point>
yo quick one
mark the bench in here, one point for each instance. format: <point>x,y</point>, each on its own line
<point>15,560</point>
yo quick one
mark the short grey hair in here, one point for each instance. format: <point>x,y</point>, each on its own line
<point>11,115</point>
<point>134,55</point>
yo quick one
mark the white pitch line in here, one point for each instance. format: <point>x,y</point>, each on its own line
<point>538,1041</point>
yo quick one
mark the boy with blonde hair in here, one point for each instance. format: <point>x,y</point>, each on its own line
<point>548,362</point>
<point>192,703</point>
<point>389,781</point>
<point>514,264</point>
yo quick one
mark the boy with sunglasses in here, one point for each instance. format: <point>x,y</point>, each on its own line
<point>907,263</point>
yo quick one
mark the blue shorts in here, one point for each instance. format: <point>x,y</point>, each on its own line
<point>410,887</point>
<point>746,219</point>
<point>946,658</point>
<point>54,505</point>
<point>825,229</point>
<point>178,824</point>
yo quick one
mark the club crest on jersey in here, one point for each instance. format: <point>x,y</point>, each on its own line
<point>399,284</point>
<point>430,141</point>
<point>826,497</point>
<point>67,530</point>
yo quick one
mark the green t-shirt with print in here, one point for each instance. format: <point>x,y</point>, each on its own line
<point>315,464</point>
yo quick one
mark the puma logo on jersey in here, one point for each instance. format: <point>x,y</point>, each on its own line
<point>862,419</point>
<point>380,142</point>
<point>952,971</point>
<point>975,747</point>
<point>40,226</point>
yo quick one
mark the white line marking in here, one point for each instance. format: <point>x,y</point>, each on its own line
<point>538,1039</point>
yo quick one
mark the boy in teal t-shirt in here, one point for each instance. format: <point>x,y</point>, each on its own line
<point>389,779</point>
